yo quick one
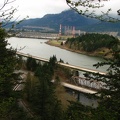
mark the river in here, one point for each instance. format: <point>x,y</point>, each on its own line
<point>38,47</point>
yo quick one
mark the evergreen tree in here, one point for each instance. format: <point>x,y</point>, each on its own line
<point>8,105</point>
<point>77,111</point>
<point>7,66</point>
<point>108,95</point>
<point>31,64</point>
<point>52,64</point>
<point>28,86</point>
<point>44,100</point>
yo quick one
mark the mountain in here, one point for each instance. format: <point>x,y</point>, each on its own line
<point>69,18</point>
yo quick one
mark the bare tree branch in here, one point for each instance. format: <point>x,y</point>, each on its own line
<point>6,14</point>
<point>89,8</point>
<point>6,2</point>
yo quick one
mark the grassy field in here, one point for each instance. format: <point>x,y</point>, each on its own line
<point>55,42</point>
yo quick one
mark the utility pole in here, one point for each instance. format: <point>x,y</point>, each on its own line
<point>60,30</point>
<point>73,31</point>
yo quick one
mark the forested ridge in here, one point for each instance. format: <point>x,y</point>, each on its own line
<point>92,42</point>
<point>65,18</point>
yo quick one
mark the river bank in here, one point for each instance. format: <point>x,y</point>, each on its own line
<point>38,47</point>
<point>103,53</point>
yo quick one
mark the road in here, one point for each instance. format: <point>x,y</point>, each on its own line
<point>18,87</point>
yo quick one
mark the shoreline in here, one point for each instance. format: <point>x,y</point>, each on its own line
<point>49,42</point>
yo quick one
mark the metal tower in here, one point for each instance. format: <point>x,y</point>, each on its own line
<point>73,31</point>
<point>60,30</point>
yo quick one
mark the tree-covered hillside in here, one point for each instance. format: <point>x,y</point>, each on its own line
<point>54,20</point>
<point>92,42</point>
<point>69,18</point>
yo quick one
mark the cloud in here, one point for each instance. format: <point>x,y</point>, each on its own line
<point>112,5</point>
<point>36,8</point>
<point>39,8</point>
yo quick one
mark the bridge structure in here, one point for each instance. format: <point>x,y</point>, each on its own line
<point>76,81</point>
<point>81,85</point>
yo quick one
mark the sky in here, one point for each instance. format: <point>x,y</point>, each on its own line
<point>39,8</point>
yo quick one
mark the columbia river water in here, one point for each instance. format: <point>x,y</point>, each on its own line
<point>38,47</point>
